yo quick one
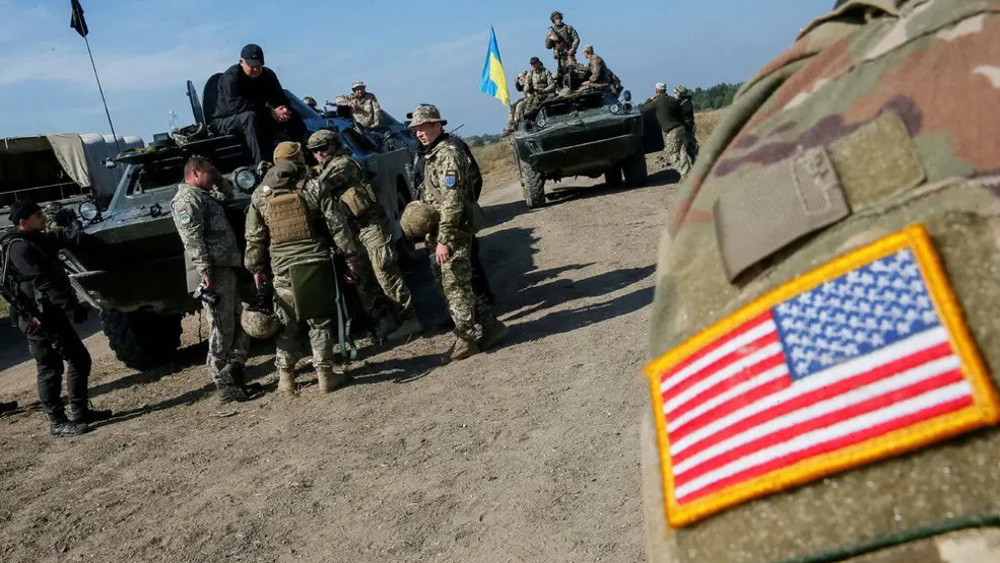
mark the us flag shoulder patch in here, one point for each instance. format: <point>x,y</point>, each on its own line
<point>863,358</point>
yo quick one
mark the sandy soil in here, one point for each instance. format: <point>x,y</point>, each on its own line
<point>527,453</point>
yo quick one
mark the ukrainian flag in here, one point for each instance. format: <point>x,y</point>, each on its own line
<point>494,80</point>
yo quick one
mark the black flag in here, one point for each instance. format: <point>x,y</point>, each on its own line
<point>76,21</point>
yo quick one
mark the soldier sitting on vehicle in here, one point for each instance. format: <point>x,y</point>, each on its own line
<point>365,109</point>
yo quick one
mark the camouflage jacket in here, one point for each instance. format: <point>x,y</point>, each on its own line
<point>341,173</point>
<point>540,83</point>
<point>447,186</point>
<point>881,114</point>
<point>208,237</point>
<point>597,70</point>
<point>365,110</point>
<point>567,40</point>
<point>326,224</point>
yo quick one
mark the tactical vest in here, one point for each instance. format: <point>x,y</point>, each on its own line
<point>287,218</point>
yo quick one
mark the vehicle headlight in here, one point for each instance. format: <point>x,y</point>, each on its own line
<point>88,210</point>
<point>245,179</point>
<point>540,121</point>
<point>615,108</point>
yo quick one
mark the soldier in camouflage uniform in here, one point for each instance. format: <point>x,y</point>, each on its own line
<point>539,86</point>
<point>365,108</point>
<point>211,250</point>
<point>447,187</point>
<point>877,127</point>
<point>293,226</point>
<point>683,96</point>
<point>675,137</point>
<point>345,177</point>
<point>563,40</point>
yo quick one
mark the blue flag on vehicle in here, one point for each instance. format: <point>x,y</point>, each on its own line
<point>494,80</point>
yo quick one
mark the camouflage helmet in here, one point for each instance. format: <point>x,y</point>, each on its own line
<point>681,90</point>
<point>419,219</point>
<point>259,324</point>
<point>309,101</point>
<point>426,113</point>
<point>324,138</point>
<point>289,151</point>
<point>554,15</point>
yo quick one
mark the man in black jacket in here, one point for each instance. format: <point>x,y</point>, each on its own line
<point>251,103</point>
<point>32,262</point>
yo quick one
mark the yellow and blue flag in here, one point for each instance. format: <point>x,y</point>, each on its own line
<point>494,80</point>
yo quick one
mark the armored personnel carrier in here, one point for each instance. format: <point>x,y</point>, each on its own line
<point>137,278</point>
<point>589,132</point>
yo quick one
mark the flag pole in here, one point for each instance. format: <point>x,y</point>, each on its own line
<point>101,90</point>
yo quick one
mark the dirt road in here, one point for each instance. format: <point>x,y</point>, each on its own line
<point>527,453</point>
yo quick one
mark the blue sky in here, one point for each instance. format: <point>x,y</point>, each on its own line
<point>408,52</point>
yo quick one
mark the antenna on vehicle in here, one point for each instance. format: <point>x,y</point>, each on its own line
<point>456,129</point>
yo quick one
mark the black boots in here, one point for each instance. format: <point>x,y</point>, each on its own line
<point>85,415</point>
<point>62,427</point>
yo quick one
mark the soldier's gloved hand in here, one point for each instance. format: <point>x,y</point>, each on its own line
<point>80,313</point>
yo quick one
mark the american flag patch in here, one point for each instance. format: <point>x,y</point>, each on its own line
<point>863,358</point>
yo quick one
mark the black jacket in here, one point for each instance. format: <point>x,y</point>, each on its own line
<point>239,93</point>
<point>668,113</point>
<point>35,266</point>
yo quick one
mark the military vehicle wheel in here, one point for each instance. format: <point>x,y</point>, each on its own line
<point>635,170</point>
<point>142,340</point>
<point>613,177</point>
<point>534,187</point>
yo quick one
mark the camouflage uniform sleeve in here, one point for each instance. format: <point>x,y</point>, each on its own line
<point>376,112</point>
<point>595,68</point>
<point>336,223</point>
<point>189,218</point>
<point>550,82</point>
<point>257,258</point>
<point>451,168</point>
<point>576,39</point>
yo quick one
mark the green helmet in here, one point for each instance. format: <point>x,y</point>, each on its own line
<point>419,219</point>
<point>259,324</point>
<point>554,15</point>
<point>322,139</point>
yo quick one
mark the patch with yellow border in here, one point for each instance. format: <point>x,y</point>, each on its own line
<point>863,358</point>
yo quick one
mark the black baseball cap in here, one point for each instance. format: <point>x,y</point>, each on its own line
<point>22,210</point>
<point>252,54</point>
<point>534,60</point>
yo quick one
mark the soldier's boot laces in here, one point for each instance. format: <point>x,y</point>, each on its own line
<point>493,332</point>
<point>85,414</point>
<point>286,382</point>
<point>331,379</point>
<point>409,327</point>
<point>62,427</point>
<point>461,350</point>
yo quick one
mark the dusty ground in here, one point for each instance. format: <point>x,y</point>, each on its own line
<point>527,453</point>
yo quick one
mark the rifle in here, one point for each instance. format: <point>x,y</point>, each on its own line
<point>22,307</point>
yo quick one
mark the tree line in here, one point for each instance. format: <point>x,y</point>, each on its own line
<point>715,97</point>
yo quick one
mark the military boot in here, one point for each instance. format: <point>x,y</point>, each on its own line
<point>330,379</point>
<point>286,382</point>
<point>62,427</point>
<point>409,327</point>
<point>228,393</point>
<point>238,374</point>
<point>461,349</point>
<point>493,332</point>
<point>84,414</point>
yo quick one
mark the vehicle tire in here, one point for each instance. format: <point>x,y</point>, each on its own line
<point>635,170</point>
<point>613,177</point>
<point>142,340</point>
<point>534,187</point>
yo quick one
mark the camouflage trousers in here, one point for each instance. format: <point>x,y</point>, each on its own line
<point>290,342</point>
<point>377,240</point>
<point>227,343</point>
<point>469,312</point>
<point>675,147</point>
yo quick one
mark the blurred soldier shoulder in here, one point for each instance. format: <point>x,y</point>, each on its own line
<point>826,328</point>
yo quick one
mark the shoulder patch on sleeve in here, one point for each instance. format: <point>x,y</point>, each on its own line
<point>183,215</point>
<point>451,177</point>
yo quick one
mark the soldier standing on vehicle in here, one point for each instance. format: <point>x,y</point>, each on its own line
<point>290,239</point>
<point>364,106</point>
<point>211,250</point>
<point>447,188</point>
<point>683,96</point>
<point>675,138</point>
<point>563,40</point>
<point>32,264</point>
<point>658,91</point>
<point>252,104</point>
<point>345,177</point>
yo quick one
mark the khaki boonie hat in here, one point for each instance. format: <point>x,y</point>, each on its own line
<point>427,114</point>
<point>288,150</point>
